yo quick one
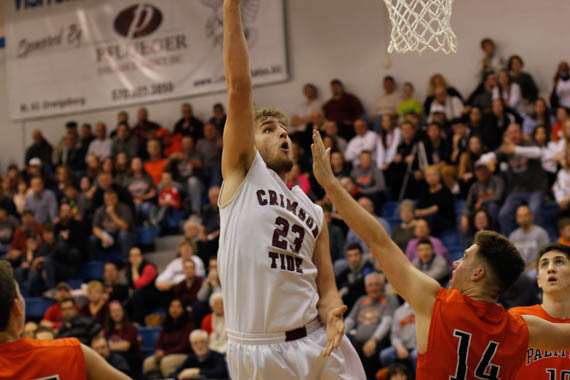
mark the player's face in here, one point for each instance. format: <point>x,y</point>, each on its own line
<point>274,144</point>
<point>553,272</point>
<point>462,268</point>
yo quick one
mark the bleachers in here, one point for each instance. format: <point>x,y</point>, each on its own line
<point>36,307</point>
<point>149,338</point>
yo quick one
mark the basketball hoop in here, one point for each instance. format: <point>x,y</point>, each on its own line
<point>419,24</point>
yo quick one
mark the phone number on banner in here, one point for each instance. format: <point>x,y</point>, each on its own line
<point>142,91</point>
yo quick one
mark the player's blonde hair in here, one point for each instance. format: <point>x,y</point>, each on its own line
<point>263,113</point>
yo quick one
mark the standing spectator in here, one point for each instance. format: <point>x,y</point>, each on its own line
<point>486,193</point>
<point>369,179</point>
<point>403,338</point>
<point>409,103</point>
<point>187,289</point>
<point>41,201</point>
<point>40,148</point>
<point>53,316</point>
<point>123,336</point>
<point>144,129</point>
<point>114,289</point>
<point>218,117</point>
<point>560,95</point>
<point>76,325</point>
<point>173,346</point>
<point>141,276</point>
<point>8,225</point>
<point>363,140</point>
<point>188,124</point>
<point>389,102</point>
<point>142,189</point>
<point>510,92</point>
<point>529,89</point>
<point>344,108</point>
<point>540,116</point>
<point>528,239</point>
<point>123,142</point>
<point>350,281</point>
<point>422,232</point>
<point>97,308</point>
<point>154,166</point>
<point>491,61</point>
<point>210,149</point>
<point>389,138</point>
<point>431,264</point>
<point>302,115</point>
<point>101,346</point>
<point>369,321</point>
<point>526,179</point>
<point>436,204</point>
<point>101,146</point>
<point>215,324</point>
<point>202,362</point>
<point>403,233</point>
<point>113,226</point>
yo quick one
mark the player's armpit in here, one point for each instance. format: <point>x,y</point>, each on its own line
<point>546,335</point>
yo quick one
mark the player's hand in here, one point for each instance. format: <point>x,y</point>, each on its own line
<point>321,160</point>
<point>335,326</point>
<point>369,347</point>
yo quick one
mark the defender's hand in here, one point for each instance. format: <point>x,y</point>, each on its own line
<point>335,327</point>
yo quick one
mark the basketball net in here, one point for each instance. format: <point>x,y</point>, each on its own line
<point>421,24</point>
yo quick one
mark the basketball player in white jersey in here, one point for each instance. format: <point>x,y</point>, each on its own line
<point>274,260</point>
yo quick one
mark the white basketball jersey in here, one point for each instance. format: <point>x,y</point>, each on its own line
<point>265,259</point>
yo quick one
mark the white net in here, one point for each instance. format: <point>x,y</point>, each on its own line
<point>419,24</point>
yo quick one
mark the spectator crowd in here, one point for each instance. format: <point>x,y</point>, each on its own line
<point>433,173</point>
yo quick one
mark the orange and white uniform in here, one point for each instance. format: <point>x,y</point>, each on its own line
<point>30,359</point>
<point>470,339</point>
<point>542,364</point>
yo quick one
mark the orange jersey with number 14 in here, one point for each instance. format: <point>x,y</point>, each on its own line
<point>469,339</point>
<point>541,364</point>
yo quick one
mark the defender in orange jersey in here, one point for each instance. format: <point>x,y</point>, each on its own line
<point>553,266</point>
<point>462,333</point>
<point>24,358</point>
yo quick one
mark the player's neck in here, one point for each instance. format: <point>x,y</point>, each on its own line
<point>8,335</point>
<point>557,305</point>
<point>478,294</point>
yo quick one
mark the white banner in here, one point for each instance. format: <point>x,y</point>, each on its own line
<point>74,55</point>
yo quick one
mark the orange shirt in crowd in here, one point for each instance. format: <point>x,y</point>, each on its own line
<point>155,169</point>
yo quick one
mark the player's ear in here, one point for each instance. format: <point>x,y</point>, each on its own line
<point>478,273</point>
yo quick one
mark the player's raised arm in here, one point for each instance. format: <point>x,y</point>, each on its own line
<point>419,290</point>
<point>239,148</point>
<point>545,335</point>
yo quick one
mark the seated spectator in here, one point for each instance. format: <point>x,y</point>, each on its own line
<point>437,80</point>
<point>486,193</point>
<point>340,167</point>
<point>188,124</point>
<point>331,131</point>
<point>436,204</point>
<point>527,181</point>
<point>8,225</point>
<point>344,108</point>
<point>409,103</point>
<point>438,153</point>
<point>562,114</point>
<point>105,183</point>
<point>482,97</point>
<point>510,92</point>
<point>336,234</point>
<point>18,201</point>
<point>72,155</point>
<point>155,164</point>
<point>458,142</point>
<point>218,117</point>
<point>70,128</point>
<point>69,227</point>
<point>529,89</point>
<point>202,363</point>
<point>467,160</point>
<point>123,337</point>
<point>173,274</point>
<point>192,229</point>
<point>29,329</point>
<point>390,137</point>
<point>452,105</point>
<point>369,179</point>
<point>141,276</point>
<point>528,239</point>
<point>86,136</point>
<point>41,201</point>
<point>431,264</point>
<point>101,346</point>
<point>561,188</point>
<point>113,226</point>
<point>398,371</point>
<point>215,324</point>
<point>114,289</point>
<point>210,231</point>
<point>422,231</point>
<point>369,321</point>
<point>185,167</point>
<point>302,115</point>
<point>540,116</point>
<point>363,140</point>
<point>350,281</point>
<point>548,152</point>
<point>560,95</point>
<point>101,146</point>
<point>389,102</point>
<point>404,232</point>
<point>97,308</point>
<point>318,122</point>
<point>491,61</point>
<point>403,339</point>
<point>564,230</point>
<point>351,236</point>
<point>141,186</point>
<point>296,178</point>
<point>169,199</point>
<point>62,180</point>
<point>53,316</point>
<point>173,345</point>
<point>187,289</point>
<point>123,142</point>
<point>211,283</point>
<point>40,148</point>
<point>44,333</point>
<point>144,129</point>
<point>93,167</point>
<point>29,228</point>
<point>495,123</point>
<point>76,325</point>
<point>210,149</point>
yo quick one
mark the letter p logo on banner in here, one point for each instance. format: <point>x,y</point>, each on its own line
<point>138,21</point>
